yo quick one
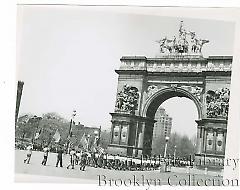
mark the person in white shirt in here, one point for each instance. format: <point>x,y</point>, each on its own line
<point>72,159</point>
<point>29,154</point>
<point>78,157</point>
<point>45,155</point>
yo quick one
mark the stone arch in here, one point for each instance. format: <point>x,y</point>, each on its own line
<point>156,99</point>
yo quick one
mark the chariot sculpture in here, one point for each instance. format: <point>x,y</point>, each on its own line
<point>187,42</point>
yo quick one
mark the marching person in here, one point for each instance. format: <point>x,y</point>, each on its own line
<point>104,160</point>
<point>45,156</point>
<point>29,153</point>
<point>96,157</point>
<point>117,162</point>
<point>100,160</point>
<point>72,158</point>
<point>78,157</point>
<point>83,161</point>
<point>59,157</point>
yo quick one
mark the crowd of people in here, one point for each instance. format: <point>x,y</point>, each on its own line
<point>80,159</point>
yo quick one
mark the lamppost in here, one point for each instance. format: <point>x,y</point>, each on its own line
<point>165,149</point>
<point>174,154</point>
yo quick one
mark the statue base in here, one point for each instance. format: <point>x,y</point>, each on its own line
<point>123,150</point>
<point>179,56</point>
<point>211,143</point>
<point>128,135</point>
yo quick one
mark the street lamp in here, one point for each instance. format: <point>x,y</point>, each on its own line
<point>174,154</point>
<point>165,149</point>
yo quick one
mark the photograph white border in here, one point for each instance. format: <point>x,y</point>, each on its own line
<point>8,78</point>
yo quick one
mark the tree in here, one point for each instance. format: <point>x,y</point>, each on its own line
<point>25,128</point>
<point>158,146</point>
<point>49,124</point>
<point>184,146</point>
<point>105,138</point>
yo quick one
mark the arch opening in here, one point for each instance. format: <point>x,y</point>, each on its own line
<point>161,96</point>
<point>175,118</point>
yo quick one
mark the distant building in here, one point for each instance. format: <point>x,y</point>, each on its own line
<point>163,126</point>
<point>78,130</point>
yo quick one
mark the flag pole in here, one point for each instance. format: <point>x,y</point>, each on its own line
<point>52,138</point>
<point>70,131</point>
<point>99,136</point>
<point>35,121</point>
<point>69,135</point>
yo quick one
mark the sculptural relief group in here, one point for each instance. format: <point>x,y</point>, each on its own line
<point>127,99</point>
<point>217,102</point>
<point>186,43</point>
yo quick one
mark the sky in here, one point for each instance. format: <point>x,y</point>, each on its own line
<point>66,57</point>
<point>183,124</point>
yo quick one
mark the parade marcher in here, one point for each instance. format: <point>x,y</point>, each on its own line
<point>96,158</point>
<point>78,157</point>
<point>100,160</point>
<point>29,153</point>
<point>89,159</point>
<point>104,160</point>
<point>72,159</point>
<point>117,162</point>
<point>45,155</point>
<point>59,157</point>
<point>83,161</point>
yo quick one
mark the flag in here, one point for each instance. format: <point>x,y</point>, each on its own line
<point>57,136</point>
<point>100,150</point>
<point>70,129</point>
<point>95,141</point>
<point>37,135</point>
<point>84,142</point>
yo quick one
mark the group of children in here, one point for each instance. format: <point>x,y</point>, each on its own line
<point>76,158</point>
<point>103,160</point>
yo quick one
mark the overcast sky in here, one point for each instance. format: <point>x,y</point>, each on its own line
<point>66,57</point>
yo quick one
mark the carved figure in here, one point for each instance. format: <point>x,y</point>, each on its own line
<point>166,45</point>
<point>151,90</point>
<point>127,99</point>
<point>218,103</point>
<point>201,43</point>
<point>195,90</point>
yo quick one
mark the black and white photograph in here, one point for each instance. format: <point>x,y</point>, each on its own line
<point>119,96</point>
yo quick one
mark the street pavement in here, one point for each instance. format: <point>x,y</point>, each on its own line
<point>35,172</point>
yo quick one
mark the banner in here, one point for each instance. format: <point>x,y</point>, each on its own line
<point>57,136</point>
<point>37,135</point>
<point>84,142</point>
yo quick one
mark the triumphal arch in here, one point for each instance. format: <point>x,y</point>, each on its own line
<point>179,70</point>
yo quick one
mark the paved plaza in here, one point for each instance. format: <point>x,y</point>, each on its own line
<point>35,172</point>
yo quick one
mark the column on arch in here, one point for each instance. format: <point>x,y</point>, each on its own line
<point>147,137</point>
<point>200,139</point>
